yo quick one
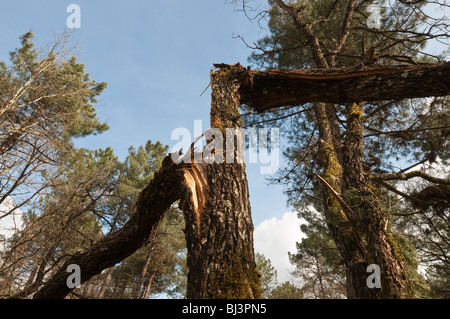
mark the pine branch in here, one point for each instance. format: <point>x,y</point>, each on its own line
<point>403,131</point>
<point>409,175</point>
<point>416,201</point>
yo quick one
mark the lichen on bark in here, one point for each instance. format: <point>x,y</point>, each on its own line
<point>236,280</point>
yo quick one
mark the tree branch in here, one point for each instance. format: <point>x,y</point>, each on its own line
<point>264,90</point>
<point>404,131</point>
<point>409,175</point>
<point>163,190</point>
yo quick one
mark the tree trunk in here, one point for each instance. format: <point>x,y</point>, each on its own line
<point>220,258</point>
<point>214,196</point>
<point>137,289</point>
<point>371,222</point>
<point>106,282</point>
<point>353,211</point>
<point>148,286</point>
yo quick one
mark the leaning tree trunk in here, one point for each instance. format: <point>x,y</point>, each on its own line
<point>153,202</point>
<point>219,231</point>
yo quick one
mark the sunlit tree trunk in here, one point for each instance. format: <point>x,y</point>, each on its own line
<point>219,235</point>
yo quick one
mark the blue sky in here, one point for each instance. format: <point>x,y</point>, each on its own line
<point>156,57</point>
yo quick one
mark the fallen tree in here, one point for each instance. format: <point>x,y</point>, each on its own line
<point>214,196</point>
<point>163,190</point>
<point>263,90</point>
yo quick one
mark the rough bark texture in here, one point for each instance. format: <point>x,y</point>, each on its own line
<point>371,220</point>
<point>220,240</point>
<point>272,88</point>
<point>354,213</point>
<point>220,253</point>
<point>152,204</point>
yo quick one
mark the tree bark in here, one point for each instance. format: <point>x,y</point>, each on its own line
<point>220,258</point>
<point>264,90</point>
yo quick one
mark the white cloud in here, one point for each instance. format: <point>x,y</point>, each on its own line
<point>10,223</point>
<point>275,238</point>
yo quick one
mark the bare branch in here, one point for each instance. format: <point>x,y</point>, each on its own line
<point>409,175</point>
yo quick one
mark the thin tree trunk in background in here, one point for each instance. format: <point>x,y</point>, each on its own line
<point>149,285</point>
<point>263,90</point>
<point>137,289</point>
<point>106,283</point>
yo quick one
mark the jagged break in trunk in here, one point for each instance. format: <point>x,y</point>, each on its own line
<point>220,233</point>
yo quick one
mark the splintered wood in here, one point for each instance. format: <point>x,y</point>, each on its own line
<point>196,180</point>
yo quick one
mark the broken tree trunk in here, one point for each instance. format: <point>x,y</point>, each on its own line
<point>165,188</point>
<point>263,90</point>
<point>214,196</point>
<point>219,232</point>
<point>215,201</point>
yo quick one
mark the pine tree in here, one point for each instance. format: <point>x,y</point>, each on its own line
<point>268,275</point>
<point>342,156</point>
<point>286,290</point>
<point>46,100</point>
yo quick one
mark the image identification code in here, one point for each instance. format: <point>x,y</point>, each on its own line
<point>232,309</point>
